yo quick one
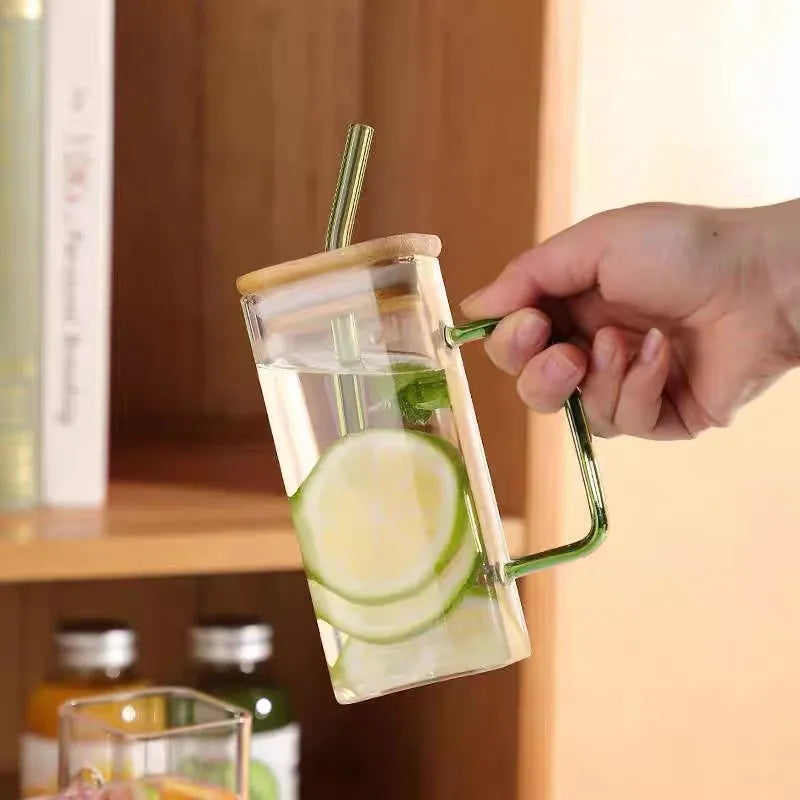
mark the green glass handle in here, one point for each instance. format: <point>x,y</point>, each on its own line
<point>455,336</point>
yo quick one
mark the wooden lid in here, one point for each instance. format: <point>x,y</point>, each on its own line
<point>389,248</point>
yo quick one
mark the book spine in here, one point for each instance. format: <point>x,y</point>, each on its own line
<point>78,145</point>
<point>20,241</point>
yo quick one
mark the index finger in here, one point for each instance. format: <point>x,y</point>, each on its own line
<point>561,266</point>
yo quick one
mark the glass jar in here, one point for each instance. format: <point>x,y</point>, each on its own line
<point>231,659</point>
<point>92,657</point>
<point>373,423</point>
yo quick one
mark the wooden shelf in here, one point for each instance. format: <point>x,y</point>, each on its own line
<point>175,507</point>
<point>151,530</point>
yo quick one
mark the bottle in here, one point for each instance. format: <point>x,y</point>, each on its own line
<point>93,657</point>
<point>230,657</point>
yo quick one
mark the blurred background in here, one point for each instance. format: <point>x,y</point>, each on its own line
<point>153,150</point>
<point>677,646</point>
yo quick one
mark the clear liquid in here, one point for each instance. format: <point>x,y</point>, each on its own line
<point>403,585</point>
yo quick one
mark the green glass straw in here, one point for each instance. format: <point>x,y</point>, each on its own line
<point>349,403</point>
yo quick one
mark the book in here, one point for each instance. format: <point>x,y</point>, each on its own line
<point>20,241</point>
<point>76,275</point>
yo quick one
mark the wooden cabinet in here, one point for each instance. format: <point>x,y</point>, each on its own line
<point>230,118</point>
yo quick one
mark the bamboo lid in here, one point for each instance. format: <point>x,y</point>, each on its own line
<point>388,248</point>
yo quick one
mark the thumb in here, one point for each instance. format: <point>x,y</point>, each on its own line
<point>563,265</point>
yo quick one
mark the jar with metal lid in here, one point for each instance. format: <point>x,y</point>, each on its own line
<point>230,656</point>
<point>92,657</point>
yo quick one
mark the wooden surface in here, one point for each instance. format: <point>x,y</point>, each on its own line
<point>547,436</point>
<point>453,96</point>
<point>234,458</point>
<point>230,119</point>
<point>157,358</point>
<point>228,140</point>
<point>148,529</point>
<point>452,90</point>
<point>388,248</point>
<point>156,529</point>
<point>228,136</point>
<point>11,698</point>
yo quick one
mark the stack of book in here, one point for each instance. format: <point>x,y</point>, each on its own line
<point>56,141</point>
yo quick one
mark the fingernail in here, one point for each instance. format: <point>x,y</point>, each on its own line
<point>530,330</point>
<point>651,346</point>
<point>560,369</point>
<point>603,352</point>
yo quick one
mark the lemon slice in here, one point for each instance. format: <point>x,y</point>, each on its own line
<point>474,636</point>
<point>399,619</point>
<point>381,513</point>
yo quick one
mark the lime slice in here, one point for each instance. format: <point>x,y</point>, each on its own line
<point>263,783</point>
<point>474,636</point>
<point>144,792</point>
<point>402,618</point>
<point>381,513</point>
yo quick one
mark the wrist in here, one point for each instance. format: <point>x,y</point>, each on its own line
<point>772,235</point>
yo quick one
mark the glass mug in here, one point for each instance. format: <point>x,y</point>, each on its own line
<point>158,744</point>
<point>381,458</point>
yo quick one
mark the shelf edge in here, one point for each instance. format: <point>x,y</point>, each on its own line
<point>104,558</point>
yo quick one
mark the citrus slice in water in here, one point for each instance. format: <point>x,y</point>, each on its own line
<point>381,513</point>
<point>399,619</point>
<point>474,636</point>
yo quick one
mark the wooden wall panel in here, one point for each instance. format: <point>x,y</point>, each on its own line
<point>10,663</point>
<point>281,83</point>
<point>158,609</point>
<point>228,139</point>
<point>229,132</point>
<point>452,91</point>
<point>547,435</point>
<point>157,328</point>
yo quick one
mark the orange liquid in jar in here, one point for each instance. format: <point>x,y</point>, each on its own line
<point>39,773</point>
<point>42,713</point>
<point>92,658</point>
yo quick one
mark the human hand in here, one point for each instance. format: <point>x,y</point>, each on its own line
<point>670,317</point>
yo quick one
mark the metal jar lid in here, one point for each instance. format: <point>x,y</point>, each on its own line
<point>95,644</point>
<point>231,640</point>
